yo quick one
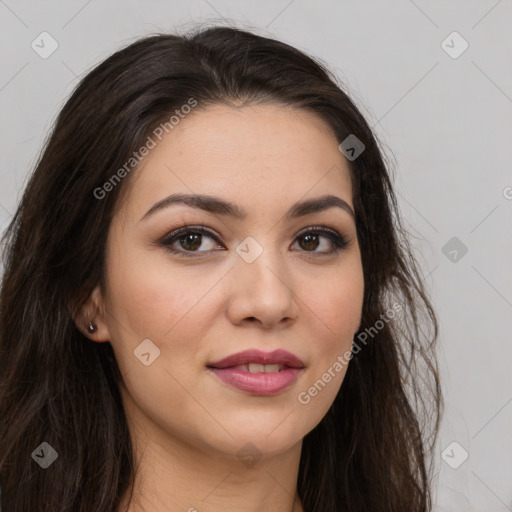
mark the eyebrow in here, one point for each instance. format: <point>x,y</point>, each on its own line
<point>218,206</point>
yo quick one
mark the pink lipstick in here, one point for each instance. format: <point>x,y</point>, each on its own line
<point>257,372</point>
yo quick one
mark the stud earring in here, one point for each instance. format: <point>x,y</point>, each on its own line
<point>91,328</point>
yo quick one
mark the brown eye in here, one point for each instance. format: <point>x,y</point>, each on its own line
<point>311,239</point>
<point>190,242</point>
<point>190,239</point>
<point>310,242</point>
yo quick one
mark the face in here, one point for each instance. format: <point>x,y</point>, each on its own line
<point>259,275</point>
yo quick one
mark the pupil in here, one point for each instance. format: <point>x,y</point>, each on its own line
<point>188,238</point>
<point>311,238</point>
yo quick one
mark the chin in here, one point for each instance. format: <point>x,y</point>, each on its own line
<point>259,439</point>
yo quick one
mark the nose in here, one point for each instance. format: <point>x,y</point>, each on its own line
<point>262,292</point>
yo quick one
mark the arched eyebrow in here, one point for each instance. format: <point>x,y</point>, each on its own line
<point>218,206</point>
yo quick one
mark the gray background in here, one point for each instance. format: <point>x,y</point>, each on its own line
<point>447,122</point>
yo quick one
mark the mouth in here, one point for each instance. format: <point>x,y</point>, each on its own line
<point>259,373</point>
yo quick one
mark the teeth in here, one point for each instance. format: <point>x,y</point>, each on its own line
<point>272,368</point>
<point>256,368</point>
<point>259,368</point>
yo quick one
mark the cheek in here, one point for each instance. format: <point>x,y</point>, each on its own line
<point>151,299</point>
<point>337,302</point>
<point>173,308</point>
<point>334,316</point>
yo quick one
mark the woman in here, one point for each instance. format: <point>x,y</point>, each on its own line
<point>209,302</point>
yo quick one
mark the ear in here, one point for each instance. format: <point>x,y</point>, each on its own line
<point>93,310</point>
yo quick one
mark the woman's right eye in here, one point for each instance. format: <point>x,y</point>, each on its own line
<point>188,240</point>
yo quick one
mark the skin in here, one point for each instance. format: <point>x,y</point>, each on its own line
<point>186,424</point>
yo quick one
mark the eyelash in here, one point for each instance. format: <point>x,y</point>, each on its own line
<point>339,242</point>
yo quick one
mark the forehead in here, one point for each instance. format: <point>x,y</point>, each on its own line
<point>257,153</point>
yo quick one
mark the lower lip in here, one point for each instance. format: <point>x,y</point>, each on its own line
<point>258,383</point>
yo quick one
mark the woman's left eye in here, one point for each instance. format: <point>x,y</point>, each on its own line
<point>190,240</point>
<point>311,239</point>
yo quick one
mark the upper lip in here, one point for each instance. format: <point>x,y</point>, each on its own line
<point>257,356</point>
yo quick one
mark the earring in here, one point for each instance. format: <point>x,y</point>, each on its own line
<point>91,328</point>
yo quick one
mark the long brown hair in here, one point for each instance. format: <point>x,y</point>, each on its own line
<point>371,450</point>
